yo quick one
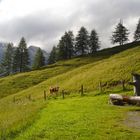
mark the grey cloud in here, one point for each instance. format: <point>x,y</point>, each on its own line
<point>46,28</point>
<point>38,27</point>
<point>104,15</point>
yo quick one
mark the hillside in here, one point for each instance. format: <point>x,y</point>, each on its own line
<point>19,82</point>
<point>75,117</point>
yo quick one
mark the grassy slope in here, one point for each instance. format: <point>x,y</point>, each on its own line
<point>15,83</point>
<point>108,70</point>
<point>111,69</point>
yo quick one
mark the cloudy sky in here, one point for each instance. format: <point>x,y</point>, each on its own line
<point>43,22</point>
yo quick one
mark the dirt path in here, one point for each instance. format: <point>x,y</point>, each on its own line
<point>133,119</point>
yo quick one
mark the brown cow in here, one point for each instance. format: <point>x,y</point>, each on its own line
<point>54,90</point>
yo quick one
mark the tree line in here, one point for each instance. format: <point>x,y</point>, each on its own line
<point>16,59</point>
<point>88,43</point>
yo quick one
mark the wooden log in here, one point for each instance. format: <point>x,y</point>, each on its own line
<point>134,100</point>
<point>118,99</point>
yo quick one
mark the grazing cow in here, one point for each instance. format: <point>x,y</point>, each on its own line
<point>54,90</point>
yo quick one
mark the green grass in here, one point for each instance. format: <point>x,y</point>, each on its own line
<point>16,83</point>
<point>80,118</point>
<point>88,117</point>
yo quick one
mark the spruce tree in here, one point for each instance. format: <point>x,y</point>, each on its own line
<point>62,49</point>
<point>94,44</point>
<point>120,35</point>
<point>39,60</point>
<point>8,59</point>
<point>66,46</point>
<point>82,41</point>
<point>137,32</point>
<point>70,43</point>
<point>16,60</point>
<point>53,56</point>
<point>21,57</point>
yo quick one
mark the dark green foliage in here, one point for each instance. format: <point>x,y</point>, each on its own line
<point>70,43</point>
<point>137,32</point>
<point>8,59</point>
<point>16,61</point>
<point>53,56</point>
<point>120,35</point>
<point>21,57</point>
<point>39,59</point>
<point>94,44</point>
<point>66,46</point>
<point>82,41</point>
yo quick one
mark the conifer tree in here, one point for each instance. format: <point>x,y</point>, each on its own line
<point>66,46</point>
<point>94,44</point>
<point>53,56</point>
<point>137,32</point>
<point>16,60</point>
<point>70,43</point>
<point>82,41</point>
<point>39,60</point>
<point>21,57</point>
<point>8,59</point>
<point>62,49</point>
<point>120,35</point>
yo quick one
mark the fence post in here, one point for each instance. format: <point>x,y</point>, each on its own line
<point>100,87</point>
<point>82,90</point>
<point>63,94</point>
<point>14,99</point>
<point>29,97</point>
<point>45,96</point>
<point>123,84</point>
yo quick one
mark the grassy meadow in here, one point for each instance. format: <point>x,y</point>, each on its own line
<point>88,117</point>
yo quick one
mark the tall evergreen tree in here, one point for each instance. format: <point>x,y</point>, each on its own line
<point>21,57</point>
<point>16,60</point>
<point>39,59</point>
<point>8,59</point>
<point>53,56</point>
<point>66,46</point>
<point>120,35</point>
<point>62,49</point>
<point>94,44</point>
<point>82,41</point>
<point>70,43</point>
<point>137,32</point>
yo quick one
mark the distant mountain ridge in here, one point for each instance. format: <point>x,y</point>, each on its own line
<point>31,50</point>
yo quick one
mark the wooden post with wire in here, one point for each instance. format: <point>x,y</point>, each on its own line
<point>29,97</point>
<point>123,85</point>
<point>82,90</point>
<point>45,95</point>
<point>100,87</point>
<point>63,94</point>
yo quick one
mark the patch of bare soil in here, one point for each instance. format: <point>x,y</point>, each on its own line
<point>133,119</point>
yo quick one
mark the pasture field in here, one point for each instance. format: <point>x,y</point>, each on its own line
<point>74,118</point>
<point>88,117</point>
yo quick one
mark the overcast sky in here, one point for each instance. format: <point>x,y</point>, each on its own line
<point>43,22</point>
